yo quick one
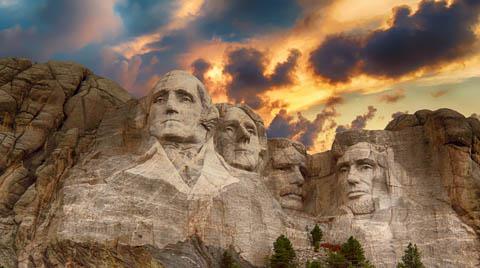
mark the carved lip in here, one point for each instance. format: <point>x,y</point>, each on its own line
<point>170,119</point>
<point>294,196</point>
<point>241,150</point>
<point>356,193</point>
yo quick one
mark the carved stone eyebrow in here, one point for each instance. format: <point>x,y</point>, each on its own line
<point>342,164</point>
<point>161,92</point>
<point>183,92</point>
<point>364,161</point>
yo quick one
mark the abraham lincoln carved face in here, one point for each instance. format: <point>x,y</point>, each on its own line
<point>357,169</point>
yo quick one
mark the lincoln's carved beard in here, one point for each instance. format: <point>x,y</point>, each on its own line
<point>362,206</point>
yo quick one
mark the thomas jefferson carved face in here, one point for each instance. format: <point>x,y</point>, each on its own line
<point>285,174</point>
<point>237,139</point>
<point>356,171</point>
<point>176,109</point>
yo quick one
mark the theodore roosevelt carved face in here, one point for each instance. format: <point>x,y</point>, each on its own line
<point>285,172</point>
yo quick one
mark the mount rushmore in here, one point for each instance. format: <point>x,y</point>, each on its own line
<point>93,177</point>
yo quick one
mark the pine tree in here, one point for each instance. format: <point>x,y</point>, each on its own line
<point>313,264</point>
<point>317,236</point>
<point>284,255</point>
<point>227,260</point>
<point>350,255</point>
<point>353,252</point>
<point>411,258</point>
<point>336,260</point>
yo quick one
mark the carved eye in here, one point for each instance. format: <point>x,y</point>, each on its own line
<point>365,167</point>
<point>343,169</point>
<point>251,131</point>
<point>229,129</point>
<point>186,98</point>
<point>160,99</point>
<point>286,168</point>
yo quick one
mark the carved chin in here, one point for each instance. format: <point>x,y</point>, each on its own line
<point>174,131</point>
<point>291,201</point>
<point>242,160</point>
<point>362,206</point>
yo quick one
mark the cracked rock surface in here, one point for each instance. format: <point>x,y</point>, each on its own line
<point>85,183</point>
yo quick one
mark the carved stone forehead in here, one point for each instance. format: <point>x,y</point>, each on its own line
<point>358,151</point>
<point>184,80</point>
<point>235,113</point>
<point>285,152</point>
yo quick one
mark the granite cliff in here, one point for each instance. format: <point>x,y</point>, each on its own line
<point>92,177</point>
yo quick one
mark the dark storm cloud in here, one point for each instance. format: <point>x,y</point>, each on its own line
<point>200,67</point>
<point>235,20</point>
<point>302,129</point>
<point>246,67</point>
<point>283,73</point>
<point>436,33</point>
<point>360,122</point>
<point>144,16</point>
<point>393,96</point>
<point>337,58</point>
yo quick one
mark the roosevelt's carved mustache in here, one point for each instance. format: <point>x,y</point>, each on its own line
<point>291,190</point>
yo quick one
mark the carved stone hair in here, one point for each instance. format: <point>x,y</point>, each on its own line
<point>282,143</point>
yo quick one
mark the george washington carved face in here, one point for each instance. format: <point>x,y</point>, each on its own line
<point>178,108</point>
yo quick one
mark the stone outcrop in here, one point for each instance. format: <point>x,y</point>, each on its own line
<point>92,177</point>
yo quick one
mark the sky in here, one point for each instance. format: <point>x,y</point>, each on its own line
<point>310,68</point>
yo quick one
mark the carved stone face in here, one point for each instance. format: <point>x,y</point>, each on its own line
<point>356,170</point>
<point>176,110</point>
<point>285,177</point>
<point>237,139</point>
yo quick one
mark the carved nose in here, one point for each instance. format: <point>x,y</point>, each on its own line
<point>298,177</point>
<point>171,106</point>
<point>243,135</point>
<point>353,177</point>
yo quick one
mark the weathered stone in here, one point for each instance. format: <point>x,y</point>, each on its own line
<point>95,178</point>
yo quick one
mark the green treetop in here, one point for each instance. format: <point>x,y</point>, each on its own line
<point>411,258</point>
<point>283,253</point>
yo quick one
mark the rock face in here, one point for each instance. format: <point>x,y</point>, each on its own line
<point>92,177</point>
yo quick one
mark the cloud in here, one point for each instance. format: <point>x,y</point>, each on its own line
<point>61,26</point>
<point>200,67</point>
<point>301,129</point>
<point>144,16</point>
<point>393,97</point>
<point>122,70</point>
<point>360,122</point>
<point>437,33</point>
<point>284,71</point>
<point>439,93</point>
<point>236,20</point>
<point>246,67</point>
